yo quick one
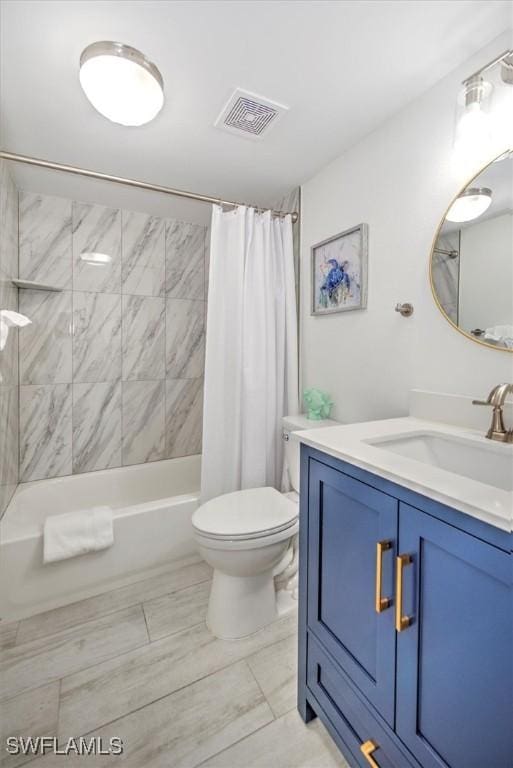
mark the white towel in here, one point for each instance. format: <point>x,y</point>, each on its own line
<point>76,533</point>
<point>501,334</point>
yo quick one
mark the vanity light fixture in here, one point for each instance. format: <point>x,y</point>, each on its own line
<point>96,259</point>
<point>485,124</point>
<point>121,83</point>
<point>473,129</point>
<point>507,69</point>
<point>473,202</point>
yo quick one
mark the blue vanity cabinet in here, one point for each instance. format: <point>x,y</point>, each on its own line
<point>426,681</point>
<point>454,662</point>
<point>347,520</point>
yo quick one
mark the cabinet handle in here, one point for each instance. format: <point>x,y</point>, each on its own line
<point>367,749</point>
<point>401,622</point>
<point>382,603</point>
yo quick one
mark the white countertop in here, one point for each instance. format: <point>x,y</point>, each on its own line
<point>347,442</point>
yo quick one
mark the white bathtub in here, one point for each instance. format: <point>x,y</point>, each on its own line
<point>152,504</point>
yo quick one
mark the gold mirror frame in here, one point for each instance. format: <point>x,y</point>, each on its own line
<point>431,280</point>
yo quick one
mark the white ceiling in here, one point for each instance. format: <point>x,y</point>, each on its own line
<point>341,67</point>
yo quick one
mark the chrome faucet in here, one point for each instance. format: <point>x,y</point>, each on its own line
<point>496,400</point>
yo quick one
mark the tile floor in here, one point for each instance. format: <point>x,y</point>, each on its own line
<point>139,663</point>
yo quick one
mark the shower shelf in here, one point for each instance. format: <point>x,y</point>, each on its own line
<point>34,286</point>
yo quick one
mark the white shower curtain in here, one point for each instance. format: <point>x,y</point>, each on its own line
<point>251,367</point>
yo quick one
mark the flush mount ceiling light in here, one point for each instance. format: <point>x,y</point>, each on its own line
<point>95,258</point>
<point>121,83</point>
<point>473,202</point>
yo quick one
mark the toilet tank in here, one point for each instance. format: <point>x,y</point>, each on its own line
<point>292,424</point>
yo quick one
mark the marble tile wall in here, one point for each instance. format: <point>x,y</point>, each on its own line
<point>9,390</point>
<point>446,274</point>
<point>111,369</point>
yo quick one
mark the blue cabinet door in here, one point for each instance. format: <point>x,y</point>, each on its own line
<point>346,521</point>
<point>454,661</point>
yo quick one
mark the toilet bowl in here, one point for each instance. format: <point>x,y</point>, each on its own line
<point>243,536</point>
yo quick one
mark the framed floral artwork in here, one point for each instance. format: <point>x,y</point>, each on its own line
<point>339,272</point>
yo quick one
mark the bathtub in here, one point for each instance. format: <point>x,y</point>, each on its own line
<point>152,505</point>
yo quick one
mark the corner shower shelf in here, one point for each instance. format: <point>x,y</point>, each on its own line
<point>34,286</point>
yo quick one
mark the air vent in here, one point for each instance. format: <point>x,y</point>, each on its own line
<point>249,115</point>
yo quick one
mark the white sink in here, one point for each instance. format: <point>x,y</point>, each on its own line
<point>452,465</point>
<point>476,458</point>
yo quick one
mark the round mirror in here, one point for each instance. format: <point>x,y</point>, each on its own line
<point>472,258</point>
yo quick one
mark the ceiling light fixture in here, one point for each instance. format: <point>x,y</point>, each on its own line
<point>473,202</point>
<point>121,83</point>
<point>96,259</point>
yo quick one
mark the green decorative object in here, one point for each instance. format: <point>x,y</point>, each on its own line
<point>318,404</point>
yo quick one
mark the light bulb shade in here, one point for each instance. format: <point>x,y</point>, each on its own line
<point>473,202</point>
<point>121,83</point>
<point>96,258</point>
<point>503,122</point>
<point>473,123</point>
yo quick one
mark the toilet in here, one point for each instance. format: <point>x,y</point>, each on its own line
<point>243,536</point>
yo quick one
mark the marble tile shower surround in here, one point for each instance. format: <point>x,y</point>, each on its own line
<point>96,230</point>
<point>96,337</point>
<point>144,412</point>
<point>45,239</point>
<point>45,431</point>
<point>96,426</point>
<point>45,345</point>
<point>9,390</point>
<point>144,330</point>
<point>111,369</point>
<point>446,274</point>
<point>143,269</point>
<point>185,251</point>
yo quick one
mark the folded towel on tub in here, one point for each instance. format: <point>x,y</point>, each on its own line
<point>75,533</point>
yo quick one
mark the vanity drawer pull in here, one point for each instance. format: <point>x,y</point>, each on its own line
<point>382,603</point>
<point>401,622</point>
<point>367,749</point>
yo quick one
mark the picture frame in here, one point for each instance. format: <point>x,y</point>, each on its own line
<point>339,272</point>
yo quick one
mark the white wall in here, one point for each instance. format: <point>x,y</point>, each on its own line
<point>399,180</point>
<point>486,273</point>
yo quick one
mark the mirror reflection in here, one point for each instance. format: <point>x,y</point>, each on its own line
<point>472,259</point>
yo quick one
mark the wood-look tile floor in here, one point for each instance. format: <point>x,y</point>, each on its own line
<point>138,663</point>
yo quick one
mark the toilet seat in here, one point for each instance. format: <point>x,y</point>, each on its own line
<point>255,513</point>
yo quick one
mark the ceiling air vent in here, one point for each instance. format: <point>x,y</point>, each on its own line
<point>249,115</point>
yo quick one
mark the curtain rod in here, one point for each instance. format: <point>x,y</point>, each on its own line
<point>130,182</point>
<point>451,254</point>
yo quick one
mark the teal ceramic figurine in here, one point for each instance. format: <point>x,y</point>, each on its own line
<point>318,404</point>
